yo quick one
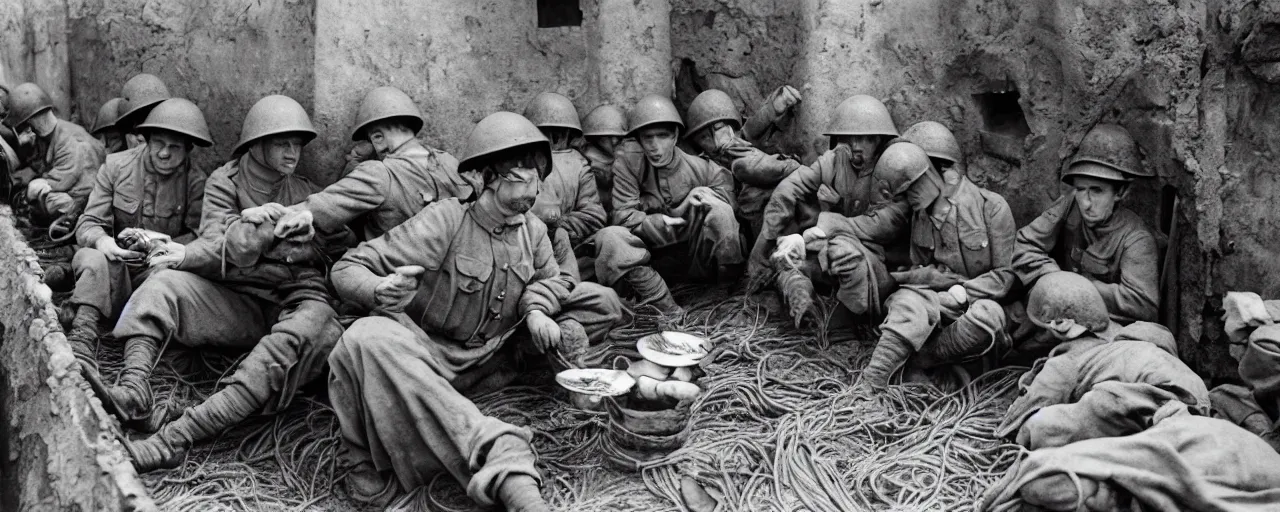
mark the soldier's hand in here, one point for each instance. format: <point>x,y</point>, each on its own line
<point>814,234</point>
<point>269,212</point>
<point>544,331</point>
<point>699,197</point>
<point>784,98</point>
<point>38,187</point>
<point>107,246</point>
<point>672,221</point>
<point>790,248</point>
<point>360,152</point>
<point>170,256</point>
<point>296,223</point>
<point>394,292</point>
<point>828,195</point>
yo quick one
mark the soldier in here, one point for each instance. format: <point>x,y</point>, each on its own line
<point>571,183</point>
<point>138,96</point>
<point>451,285</point>
<point>840,181</point>
<point>605,131</point>
<point>404,179</point>
<point>958,231</point>
<point>66,156</point>
<point>716,128</point>
<point>151,187</point>
<point>243,283</point>
<point>671,201</point>
<point>104,126</point>
<point>1253,329</point>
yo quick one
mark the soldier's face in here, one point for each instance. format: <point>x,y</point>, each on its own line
<point>387,137</point>
<point>714,138</point>
<point>924,191</point>
<point>281,153</point>
<point>862,147</point>
<point>168,150</point>
<point>109,137</point>
<point>658,142</point>
<point>1097,198</point>
<point>605,142</point>
<point>517,189</point>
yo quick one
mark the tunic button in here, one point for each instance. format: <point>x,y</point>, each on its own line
<point>506,266</point>
<point>502,295</point>
<point>497,230</point>
<point>984,244</point>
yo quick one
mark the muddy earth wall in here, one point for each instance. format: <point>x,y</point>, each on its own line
<point>58,447</point>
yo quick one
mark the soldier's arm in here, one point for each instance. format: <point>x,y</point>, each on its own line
<point>627,209</point>
<point>224,237</point>
<point>97,217</point>
<point>422,240</point>
<point>195,206</point>
<point>1036,240</point>
<point>998,282</point>
<point>71,159</point>
<point>882,224</point>
<point>762,169</point>
<point>588,215</point>
<point>361,191</point>
<point>1136,296</point>
<point>549,285</point>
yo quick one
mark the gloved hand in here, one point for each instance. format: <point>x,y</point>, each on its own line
<point>143,240</point>
<point>828,195</point>
<point>360,152</point>
<point>928,277</point>
<point>297,226</point>
<point>544,331</point>
<point>790,249</point>
<point>814,234</point>
<point>269,212</point>
<point>954,302</point>
<point>107,246</point>
<point>38,188</point>
<point>784,98</point>
<point>170,255</point>
<point>394,292</point>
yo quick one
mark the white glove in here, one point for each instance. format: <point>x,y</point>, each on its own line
<point>790,248</point>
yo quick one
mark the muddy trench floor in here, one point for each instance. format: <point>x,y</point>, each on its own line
<point>777,427</point>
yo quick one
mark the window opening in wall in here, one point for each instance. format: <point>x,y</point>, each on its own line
<point>1002,114</point>
<point>559,13</point>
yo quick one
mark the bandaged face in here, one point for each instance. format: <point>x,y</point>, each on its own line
<point>659,144</point>
<point>715,138</point>
<point>1096,197</point>
<point>168,150</point>
<point>42,124</point>
<point>862,148</point>
<point>281,152</point>
<point>924,191</point>
<point>516,189</point>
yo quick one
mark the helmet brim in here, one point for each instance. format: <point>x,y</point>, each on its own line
<point>415,125</point>
<point>197,139</point>
<point>308,136</point>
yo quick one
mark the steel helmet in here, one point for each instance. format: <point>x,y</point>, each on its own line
<point>551,110</point>
<point>26,101</point>
<point>861,115</point>
<point>501,131</point>
<point>179,115</point>
<point>711,106</point>
<point>274,115</point>
<point>1110,146</point>
<point>901,164</point>
<point>1067,295</point>
<point>142,91</point>
<point>650,110</point>
<point>605,120</point>
<point>386,103</point>
<point>107,115</point>
<point>936,141</point>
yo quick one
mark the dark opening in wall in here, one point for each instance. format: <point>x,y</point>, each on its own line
<point>559,13</point>
<point>1002,114</point>
<point>1168,197</point>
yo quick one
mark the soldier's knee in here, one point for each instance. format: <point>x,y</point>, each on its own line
<point>88,259</point>
<point>613,235</point>
<point>987,314</point>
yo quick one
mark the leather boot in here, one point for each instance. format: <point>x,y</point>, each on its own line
<point>797,291</point>
<point>652,290</point>
<point>890,353</point>
<point>83,337</point>
<point>520,493</point>
<point>169,445</point>
<point>132,392</point>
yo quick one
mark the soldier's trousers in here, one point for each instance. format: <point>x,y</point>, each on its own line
<point>711,235</point>
<point>915,315</point>
<point>103,284</point>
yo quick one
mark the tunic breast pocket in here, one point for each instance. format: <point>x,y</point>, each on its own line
<point>922,235</point>
<point>977,250</point>
<point>1096,266</point>
<point>473,273</point>
<point>125,204</point>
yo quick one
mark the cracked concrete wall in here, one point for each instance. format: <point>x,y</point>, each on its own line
<point>59,449</point>
<point>223,55</point>
<point>33,48</point>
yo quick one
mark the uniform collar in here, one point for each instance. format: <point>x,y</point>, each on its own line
<point>486,214</point>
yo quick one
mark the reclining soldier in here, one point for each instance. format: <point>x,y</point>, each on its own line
<point>678,205</point>
<point>242,284</point>
<point>382,192</point>
<point>152,188</point>
<point>452,287</point>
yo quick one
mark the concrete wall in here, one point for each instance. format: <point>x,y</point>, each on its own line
<point>222,54</point>
<point>33,48</point>
<point>58,449</point>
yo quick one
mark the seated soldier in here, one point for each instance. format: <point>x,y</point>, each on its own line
<point>1102,380</point>
<point>152,187</point>
<point>716,128</point>
<point>65,157</point>
<point>840,181</point>
<point>239,285</point>
<point>571,184</point>
<point>404,178</point>
<point>605,131</point>
<point>958,231</point>
<point>669,201</point>
<point>104,127</point>
<point>452,285</point>
<point>1089,233</point>
<point>140,94</point>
